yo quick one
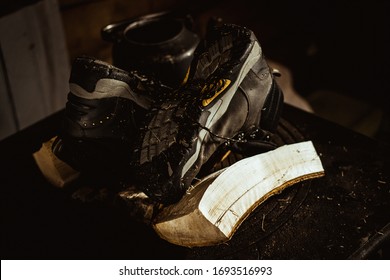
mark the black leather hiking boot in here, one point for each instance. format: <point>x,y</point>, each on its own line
<point>105,108</point>
<point>230,96</point>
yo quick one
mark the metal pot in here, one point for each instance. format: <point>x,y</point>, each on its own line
<point>160,44</point>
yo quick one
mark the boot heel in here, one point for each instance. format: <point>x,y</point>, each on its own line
<point>272,108</point>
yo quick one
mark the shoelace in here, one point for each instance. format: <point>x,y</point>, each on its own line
<point>149,84</point>
<point>257,139</point>
<point>189,109</point>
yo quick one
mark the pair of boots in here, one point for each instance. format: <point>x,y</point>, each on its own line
<point>126,126</point>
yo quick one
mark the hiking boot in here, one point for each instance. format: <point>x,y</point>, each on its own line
<point>102,116</point>
<point>230,96</point>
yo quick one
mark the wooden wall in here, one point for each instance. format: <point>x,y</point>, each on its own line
<point>34,64</point>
